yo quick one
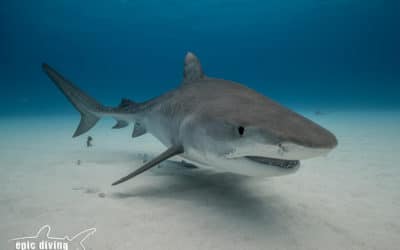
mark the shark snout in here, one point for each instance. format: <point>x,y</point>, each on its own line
<point>331,141</point>
<point>307,134</point>
<point>315,143</point>
<point>299,138</point>
<point>323,139</point>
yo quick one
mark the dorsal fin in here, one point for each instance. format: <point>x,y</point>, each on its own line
<point>192,70</point>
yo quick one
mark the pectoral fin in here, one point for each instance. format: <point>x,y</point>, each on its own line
<point>172,151</point>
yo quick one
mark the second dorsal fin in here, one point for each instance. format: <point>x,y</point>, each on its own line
<point>120,124</point>
<point>126,103</point>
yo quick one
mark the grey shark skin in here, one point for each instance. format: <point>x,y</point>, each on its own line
<point>211,123</point>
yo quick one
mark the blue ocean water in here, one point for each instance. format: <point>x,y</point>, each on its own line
<point>331,54</point>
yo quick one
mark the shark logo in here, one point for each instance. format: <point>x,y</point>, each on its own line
<point>43,241</point>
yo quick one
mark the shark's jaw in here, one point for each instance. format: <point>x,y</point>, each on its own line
<point>267,160</point>
<point>281,163</point>
<point>259,166</point>
<point>248,165</point>
<point>280,154</point>
<point>253,158</point>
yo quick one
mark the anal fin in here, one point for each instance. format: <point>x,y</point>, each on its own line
<point>138,130</point>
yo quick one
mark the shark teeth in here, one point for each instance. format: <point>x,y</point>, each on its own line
<point>275,162</point>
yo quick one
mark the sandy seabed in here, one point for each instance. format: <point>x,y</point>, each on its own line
<point>349,199</point>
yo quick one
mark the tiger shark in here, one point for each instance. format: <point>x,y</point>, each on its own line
<point>210,122</point>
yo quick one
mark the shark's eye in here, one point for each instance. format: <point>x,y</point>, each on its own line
<point>241,130</point>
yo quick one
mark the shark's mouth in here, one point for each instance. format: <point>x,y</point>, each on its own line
<point>288,164</point>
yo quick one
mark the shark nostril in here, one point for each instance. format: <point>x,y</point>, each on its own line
<point>282,149</point>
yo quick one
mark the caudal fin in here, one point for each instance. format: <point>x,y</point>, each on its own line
<point>89,108</point>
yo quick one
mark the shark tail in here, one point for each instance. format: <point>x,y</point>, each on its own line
<point>91,110</point>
